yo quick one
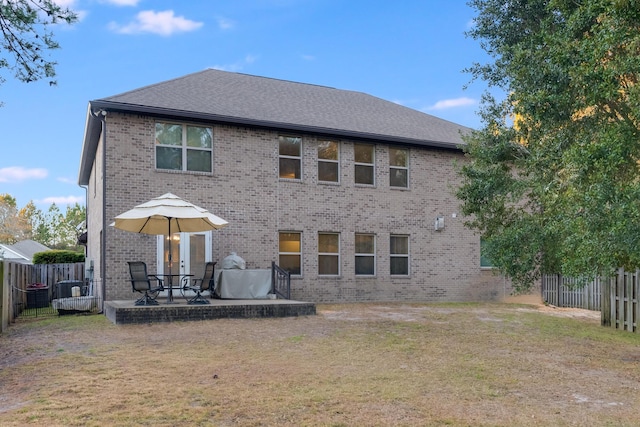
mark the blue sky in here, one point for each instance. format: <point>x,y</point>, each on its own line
<point>412,52</point>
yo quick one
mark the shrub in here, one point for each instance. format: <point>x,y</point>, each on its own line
<point>57,257</point>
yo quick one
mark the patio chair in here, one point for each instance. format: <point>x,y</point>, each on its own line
<point>141,282</point>
<point>199,286</point>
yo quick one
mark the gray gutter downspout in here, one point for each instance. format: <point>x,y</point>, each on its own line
<point>102,114</point>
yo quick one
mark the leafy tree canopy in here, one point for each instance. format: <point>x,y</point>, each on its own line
<point>24,25</point>
<point>553,181</point>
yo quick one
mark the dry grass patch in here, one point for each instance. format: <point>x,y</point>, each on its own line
<point>351,365</point>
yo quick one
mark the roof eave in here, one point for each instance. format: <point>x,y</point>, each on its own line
<point>182,114</point>
<point>92,130</point>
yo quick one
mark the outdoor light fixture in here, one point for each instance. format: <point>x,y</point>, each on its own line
<point>439,223</point>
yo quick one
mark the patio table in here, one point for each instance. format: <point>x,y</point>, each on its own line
<point>169,286</point>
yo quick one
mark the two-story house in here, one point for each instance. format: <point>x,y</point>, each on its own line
<point>354,195</point>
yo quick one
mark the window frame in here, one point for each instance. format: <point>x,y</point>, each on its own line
<point>393,255</point>
<point>329,254</point>
<point>364,254</point>
<point>371,165</point>
<point>183,147</point>
<point>289,157</point>
<point>405,168</point>
<point>329,161</point>
<point>290,253</point>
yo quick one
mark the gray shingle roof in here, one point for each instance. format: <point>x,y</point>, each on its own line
<point>252,100</point>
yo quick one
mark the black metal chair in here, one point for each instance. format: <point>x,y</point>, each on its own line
<point>141,282</point>
<point>206,283</point>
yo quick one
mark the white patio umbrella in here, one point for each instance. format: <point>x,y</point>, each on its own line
<point>166,215</point>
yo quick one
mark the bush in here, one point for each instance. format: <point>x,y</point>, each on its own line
<point>57,257</point>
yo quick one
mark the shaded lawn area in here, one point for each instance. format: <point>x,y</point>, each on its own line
<point>350,365</point>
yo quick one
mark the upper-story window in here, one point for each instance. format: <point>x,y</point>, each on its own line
<point>364,161</point>
<point>328,161</point>
<point>184,147</point>
<point>290,152</point>
<point>398,167</point>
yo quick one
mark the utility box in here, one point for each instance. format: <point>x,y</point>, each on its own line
<point>64,289</point>
<point>37,295</point>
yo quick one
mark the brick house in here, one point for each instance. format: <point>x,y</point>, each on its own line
<point>351,193</point>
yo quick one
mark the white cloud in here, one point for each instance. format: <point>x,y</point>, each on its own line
<point>162,23</point>
<point>18,173</point>
<point>225,23</point>
<point>67,180</point>
<point>308,57</point>
<point>452,103</point>
<point>237,66</point>
<point>62,200</point>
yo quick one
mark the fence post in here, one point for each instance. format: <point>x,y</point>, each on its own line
<point>605,302</point>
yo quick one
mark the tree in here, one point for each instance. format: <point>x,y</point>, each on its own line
<point>25,37</point>
<point>13,227</point>
<point>553,181</point>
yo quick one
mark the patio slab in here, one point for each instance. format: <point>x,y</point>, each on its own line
<point>123,312</point>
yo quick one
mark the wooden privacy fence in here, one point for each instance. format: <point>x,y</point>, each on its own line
<point>616,297</point>
<point>564,291</point>
<point>16,278</point>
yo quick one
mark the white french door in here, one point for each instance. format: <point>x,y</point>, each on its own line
<point>189,253</point>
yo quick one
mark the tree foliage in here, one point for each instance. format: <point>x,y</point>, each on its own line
<point>553,183</point>
<point>51,228</point>
<point>26,37</point>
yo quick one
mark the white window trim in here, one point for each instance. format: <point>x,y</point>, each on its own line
<point>330,254</point>
<point>183,147</point>
<point>337,161</point>
<point>391,168</point>
<point>292,253</point>
<point>372,165</point>
<point>284,156</point>
<point>373,255</point>
<point>407,255</point>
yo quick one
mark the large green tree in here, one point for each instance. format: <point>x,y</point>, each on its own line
<point>27,38</point>
<point>553,181</point>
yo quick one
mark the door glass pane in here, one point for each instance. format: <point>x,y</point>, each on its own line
<point>174,268</point>
<point>197,256</point>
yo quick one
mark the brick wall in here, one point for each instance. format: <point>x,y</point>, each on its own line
<point>244,189</point>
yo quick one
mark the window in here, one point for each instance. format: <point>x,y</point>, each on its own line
<point>484,261</point>
<point>365,255</point>
<point>184,147</point>
<point>290,150</point>
<point>328,161</point>
<point>399,250</point>
<point>290,251</point>
<point>398,167</point>
<point>363,157</point>
<point>328,254</point>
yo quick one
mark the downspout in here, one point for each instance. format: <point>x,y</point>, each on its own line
<point>102,114</point>
<point>103,244</point>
